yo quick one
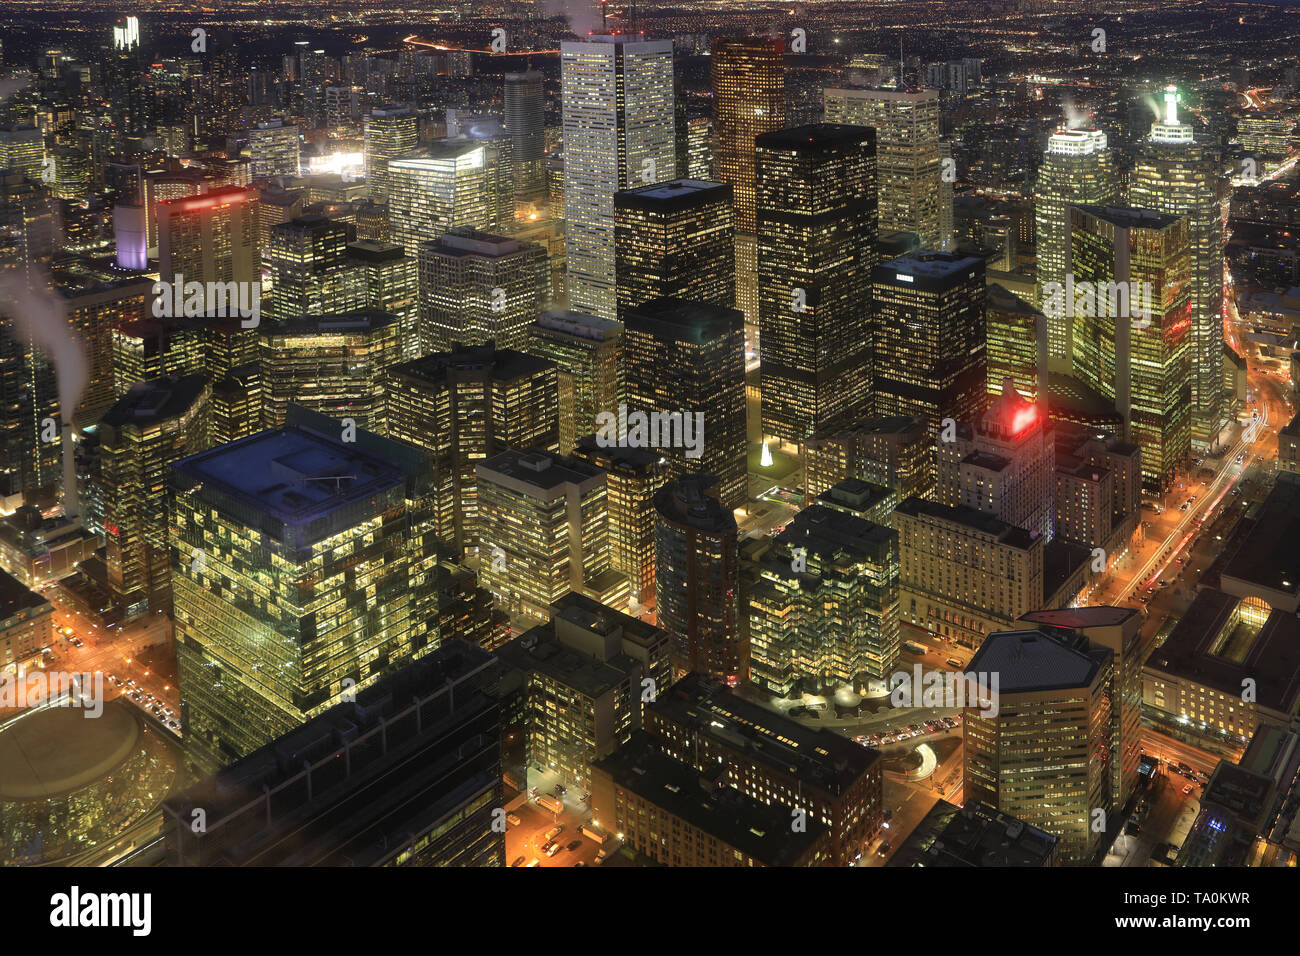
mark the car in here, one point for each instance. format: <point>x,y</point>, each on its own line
<point>600,855</point>
<point>556,848</point>
<point>513,819</point>
<point>1187,789</point>
<point>554,831</point>
<point>547,845</point>
<point>884,849</point>
<point>535,862</point>
<point>580,863</point>
<point>953,662</point>
<point>574,845</point>
<point>519,861</point>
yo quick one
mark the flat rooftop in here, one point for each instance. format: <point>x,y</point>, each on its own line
<point>1004,533</point>
<point>16,597</point>
<point>1077,618</point>
<point>1269,557</point>
<point>973,835</point>
<point>1130,217</point>
<point>1036,661</point>
<point>297,478</point>
<point>816,136</point>
<point>759,830</point>
<point>820,758</point>
<point>673,194</point>
<point>929,269</point>
<point>155,401</point>
<point>502,364</point>
<point>694,322</point>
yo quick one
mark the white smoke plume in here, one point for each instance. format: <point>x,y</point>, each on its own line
<point>1075,118</point>
<point>37,314</point>
<point>583,15</point>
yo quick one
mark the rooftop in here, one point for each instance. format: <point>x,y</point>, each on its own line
<point>972,518</point>
<point>156,401</point>
<point>1037,661</point>
<point>971,836</point>
<point>673,194</point>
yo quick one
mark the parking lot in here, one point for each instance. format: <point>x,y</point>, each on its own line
<point>528,839</point>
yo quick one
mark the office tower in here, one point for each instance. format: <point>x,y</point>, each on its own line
<point>310,270</point>
<point>1176,175</point>
<point>71,174</point>
<point>948,176</point>
<point>945,553</point>
<point>588,355</point>
<point>390,286</point>
<point>930,339</point>
<point>476,287</point>
<point>1118,629</point>
<point>1135,347</point>
<point>149,349</point>
<point>93,312</point>
<point>633,475</point>
<point>437,188</point>
<point>697,579</point>
<point>685,372</point>
<point>907,154</point>
<point>1002,464</point>
<point>748,101</point>
<point>467,611</point>
<point>674,239</point>
<point>816,248</point>
<point>330,364</point>
<point>210,238</point>
<point>22,150</point>
<point>699,152</point>
<point>1098,488</point>
<point>673,815</point>
<point>544,531</point>
<point>1053,689</point>
<point>1016,345</point>
<point>1077,168</point>
<point>428,736</point>
<point>619,131</point>
<point>582,682</point>
<point>300,574</point>
<point>711,728</point>
<point>464,406</point>
<point>390,132</point>
<point>824,611</point>
<point>1267,139</point>
<point>153,425</point>
<point>273,149</point>
<point>897,452</point>
<point>525,116</point>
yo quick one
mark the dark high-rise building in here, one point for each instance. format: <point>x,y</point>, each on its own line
<point>697,579</point>
<point>816,215</point>
<point>464,406</point>
<point>153,425</point>
<point>674,239</point>
<point>929,341</point>
<point>408,774</point>
<point>525,116</point>
<point>685,372</point>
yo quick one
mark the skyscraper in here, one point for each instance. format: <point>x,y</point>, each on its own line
<point>588,355</point>
<point>907,154</point>
<point>816,248</point>
<point>438,187</point>
<point>464,406</point>
<point>209,238</point>
<point>525,115</point>
<point>1077,168</point>
<point>330,364</point>
<point>544,531</point>
<point>153,425</point>
<point>1177,175</point>
<point>1132,326</point>
<point>390,132</point>
<point>298,566</point>
<point>929,343</point>
<point>1017,344</point>
<point>674,239</point>
<point>685,366</point>
<point>1053,689</point>
<point>619,131</point>
<point>310,271</point>
<point>697,579</point>
<point>476,287</point>
<point>274,150</point>
<point>824,612</point>
<point>748,100</point>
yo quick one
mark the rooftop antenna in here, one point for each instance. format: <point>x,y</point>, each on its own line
<point>602,15</point>
<point>901,67</point>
